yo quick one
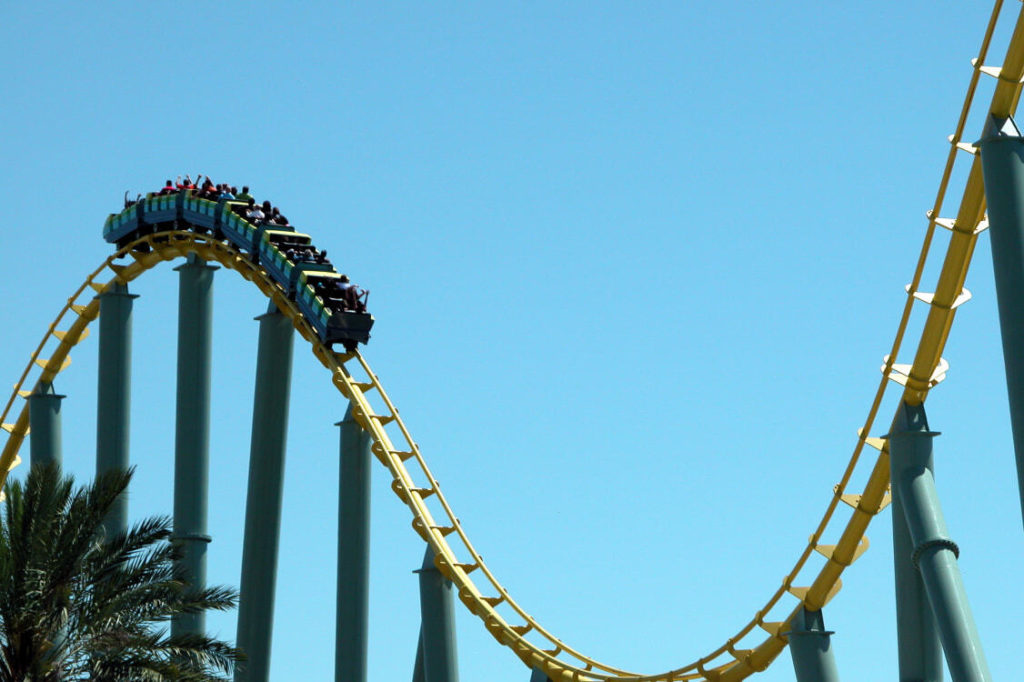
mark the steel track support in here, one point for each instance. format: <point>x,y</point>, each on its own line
<point>1002,159</point>
<point>417,670</point>
<point>920,652</point>
<point>113,408</point>
<point>44,420</point>
<point>810,645</point>
<point>266,489</point>
<point>437,628</point>
<point>192,429</point>
<point>353,552</point>
<point>934,553</point>
<point>45,438</point>
<point>539,676</point>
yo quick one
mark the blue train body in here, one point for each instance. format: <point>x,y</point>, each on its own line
<point>273,254</point>
<point>331,321</point>
<point>240,232</point>
<point>310,283</point>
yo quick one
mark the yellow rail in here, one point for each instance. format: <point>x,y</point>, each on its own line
<point>435,521</point>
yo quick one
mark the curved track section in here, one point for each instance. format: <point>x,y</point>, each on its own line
<point>435,521</point>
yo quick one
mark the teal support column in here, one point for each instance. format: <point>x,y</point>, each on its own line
<point>113,404</point>
<point>810,645</point>
<point>920,653</point>
<point>1002,159</point>
<point>44,422</point>
<point>192,429</point>
<point>934,553</point>
<point>539,676</point>
<point>437,633</point>
<point>353,552</point>
<point>45,437</point>
<point>266,488</point>
<point>417,670</point>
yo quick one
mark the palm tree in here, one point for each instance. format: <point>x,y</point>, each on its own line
<point>75,605</point>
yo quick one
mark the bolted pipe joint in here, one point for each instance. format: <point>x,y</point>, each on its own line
<point>935,544</point>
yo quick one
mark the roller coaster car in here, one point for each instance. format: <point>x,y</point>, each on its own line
<point>155,213</point>
<point>205,213</point>
<point>219,217</point>
<point>120,227</point>
<point>337,314</point>
<point>159,212</point>
<point>274,247</point>
<point>239,231</point>
<point>331,316</point>
<point>161,209</point>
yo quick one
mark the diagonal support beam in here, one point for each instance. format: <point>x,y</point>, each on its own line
<point>920,652</point>
<point>934,553</point>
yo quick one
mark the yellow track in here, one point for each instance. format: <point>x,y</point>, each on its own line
<point>432,516</point>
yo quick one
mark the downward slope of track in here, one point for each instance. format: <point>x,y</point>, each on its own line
<point>413,487</point>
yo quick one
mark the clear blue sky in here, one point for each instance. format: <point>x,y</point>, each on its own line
<point>634,268</point>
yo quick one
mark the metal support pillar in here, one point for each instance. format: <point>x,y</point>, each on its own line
<point>44,420</point>
<point>437,629</point>
<point>920,653</point>
<point>353,552</point>
<point>539,676</point>
<point>1002,158</point>
<point>192,429</point>
<point>113,407</point>
<point>811,648</point>
<point>266,487</point>
<point>417,670</point>
<point>935,554</point>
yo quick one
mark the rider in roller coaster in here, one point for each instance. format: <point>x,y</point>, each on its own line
<point>343,291</point>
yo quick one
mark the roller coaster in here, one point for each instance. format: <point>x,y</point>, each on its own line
<point>791,614</point>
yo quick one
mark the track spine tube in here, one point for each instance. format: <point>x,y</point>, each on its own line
<point>1002,158</point>
<point>352,615</point>
<point>910,451</point>
<point>265,494</point>
<point>192,429</point>
<point>113,408</point>
<point>437,633</point>
<point>45,445</point>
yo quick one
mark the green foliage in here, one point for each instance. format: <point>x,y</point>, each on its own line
<point>75,605</point>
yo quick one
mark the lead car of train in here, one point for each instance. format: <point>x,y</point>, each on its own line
<point>288,256</point>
